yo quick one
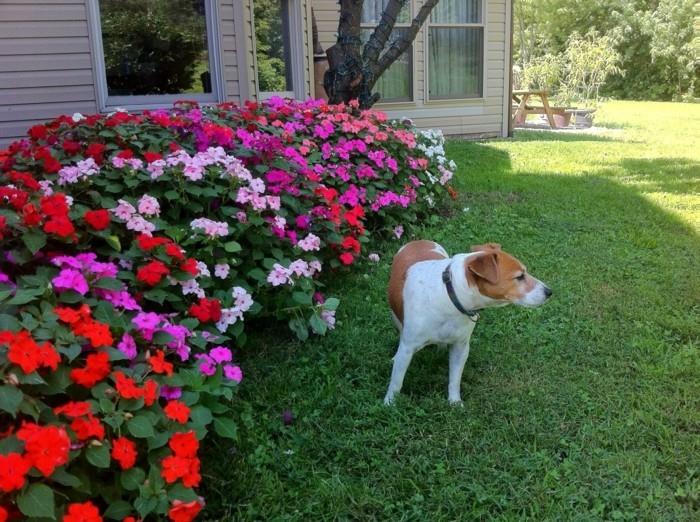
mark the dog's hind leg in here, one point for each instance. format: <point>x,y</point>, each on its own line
<point>402,359</point>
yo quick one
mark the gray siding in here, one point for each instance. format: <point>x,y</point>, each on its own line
<point>45,63</point>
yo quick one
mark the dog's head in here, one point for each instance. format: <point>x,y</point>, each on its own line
<point>501,277</point>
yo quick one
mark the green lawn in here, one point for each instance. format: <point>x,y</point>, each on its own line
<point>585,409</point>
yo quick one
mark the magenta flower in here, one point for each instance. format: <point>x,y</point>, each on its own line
<point>233,373</point>
<point>127,346</point>
<point>70,279</point>
<point>221,354</point>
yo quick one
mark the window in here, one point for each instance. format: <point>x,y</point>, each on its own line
<point>456,50</point>
<point>396,83</point>
<point>150,53</point>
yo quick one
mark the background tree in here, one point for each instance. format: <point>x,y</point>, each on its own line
<point>353,68</point>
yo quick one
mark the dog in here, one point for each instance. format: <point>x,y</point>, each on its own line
<point>436,299</point>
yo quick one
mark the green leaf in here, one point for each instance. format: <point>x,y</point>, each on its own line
<point>10,399</point>
<point>331,303</point>
<point>200,415</point>
<point>140,427</point>
<point>232,246</point>
<point>7,322</point>
<point>108,283</point>
<point>318,325</point>
<point>25,296</point>
<point>118,510</point>
<point>98,456</point>
<point>34,240</point>
<point>113,241</point>
<point>132,478</point>
<point>298,326</point>
<point>302,298</point>
<point>66,479</point>
<point>226,427</point>
<point>37,501</point>
<point>145,505</point>
<point>162,338</point>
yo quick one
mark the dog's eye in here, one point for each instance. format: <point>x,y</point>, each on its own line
<point>521,277</point>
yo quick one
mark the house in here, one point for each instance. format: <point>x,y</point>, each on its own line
<point>86,56</point>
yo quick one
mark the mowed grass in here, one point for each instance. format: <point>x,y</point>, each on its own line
<point>585,409</point>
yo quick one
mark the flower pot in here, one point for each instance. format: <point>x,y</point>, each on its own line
<point>562,120</point>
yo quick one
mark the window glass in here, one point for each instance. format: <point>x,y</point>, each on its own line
<point>372,12</point>
<point>395,84</point>
<point>272,45</point>
<point>155,47</point>
<point>455,62</point>
<point>456,12</point>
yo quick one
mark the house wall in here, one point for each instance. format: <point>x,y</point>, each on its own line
<point>47,67</point>
<point>484,117</point>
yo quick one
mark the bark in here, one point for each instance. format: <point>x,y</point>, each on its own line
<point>354,71</point>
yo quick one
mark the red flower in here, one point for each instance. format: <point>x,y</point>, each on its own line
<point>150,392</point>
<point>150,157</point>
<point>71,147</point>
<point>190,266</point>
<point>51,165</point>
<point>150,242</point>
<point>125,154</point>
<point>97,333</point>
<point>28,355</point>
<point>184,444</point>
<point>3,227</point>
<point>73,409</point>
<point>354,216</point>
<point>46,448</point>
<point>126,386</point>
<point>38,132</point>
<point>59,225</point>
<point>54,205</point>
<point>96,151</point>
<point>30,215</point>
<point>177,411</point>
<point>97,219</point>
<point>88,427</point>
<point>85,512</point>
<point>350,243</point>
<point>159,364</point>
<point>175,252</point>
<point>184,511</point>
<point>124,452</point>
<point>96,369</point>
<point>152,273</point>
<point>206,310</point>
<point>70,315</point>
<point>185,468</point>
<point>346,258</point>
<point>13,471</point>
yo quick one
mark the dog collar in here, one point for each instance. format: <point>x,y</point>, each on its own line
<point>447,279</point>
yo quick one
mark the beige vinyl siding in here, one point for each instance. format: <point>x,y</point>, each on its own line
<point>229,48</point>
<point>45,63</point>
<point>479,117</point>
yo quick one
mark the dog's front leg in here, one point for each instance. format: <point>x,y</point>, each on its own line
<point>459,352</point>
<point>402,359</point>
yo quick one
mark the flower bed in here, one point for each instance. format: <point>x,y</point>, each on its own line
<point>134,246</point>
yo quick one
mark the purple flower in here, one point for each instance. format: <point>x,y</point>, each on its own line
<point>70,279</point>
<point>127,346</point>
<point>170,392</point>
<point>220,354</point>
<point>287,417</point>
<point>233,373</point>
<point>206,364</point>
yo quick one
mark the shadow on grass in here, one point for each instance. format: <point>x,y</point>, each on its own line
<point>566,136</point>
<point>676,175</point>
<point>599,387</point>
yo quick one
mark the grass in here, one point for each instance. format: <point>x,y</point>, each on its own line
<point>585,409</point>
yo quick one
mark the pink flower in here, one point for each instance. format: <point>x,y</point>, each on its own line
<point>149,206</point>
<point>222,270</point>
<point>124,210</point>
<point>211,228</point>
<point>328,317</point>
<point>221,354</point>
<point>279,275</point>
<point>309,243</point>
<point>127,346</point>
<point>398,231</point>
<point>241,217</point>
<point>70,279</point>
<point>233,373</point>
<point>373,257</point>
<point>207,366</point>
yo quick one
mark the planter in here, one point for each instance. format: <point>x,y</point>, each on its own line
<point>562,119</point>
<point>583,118</point>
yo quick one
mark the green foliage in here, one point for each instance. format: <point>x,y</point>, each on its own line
<point>152,47</point>
<point>653,37</point>
<point>269,45</point>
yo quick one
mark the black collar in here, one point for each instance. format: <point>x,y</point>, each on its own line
<point>447,279</point>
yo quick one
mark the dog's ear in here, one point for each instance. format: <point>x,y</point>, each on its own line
<point>485,266</point>
<point>486,247</point>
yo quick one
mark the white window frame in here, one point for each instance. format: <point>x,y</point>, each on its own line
<point>483,24</point>
<point>140,102</point>
<point>412,79</point>
<point>296,42</point>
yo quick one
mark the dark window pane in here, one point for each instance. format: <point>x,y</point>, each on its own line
<point>272,45</point>
<point>455,62</point>
<point>396,83</point>
<point>456,12</point>
<point>155,46</point>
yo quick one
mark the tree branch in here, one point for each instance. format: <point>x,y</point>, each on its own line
<point>403,42</point>
<point>380,35</point>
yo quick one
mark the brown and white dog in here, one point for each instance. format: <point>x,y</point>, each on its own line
<point>435,299</point>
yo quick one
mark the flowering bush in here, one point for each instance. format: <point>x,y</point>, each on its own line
<point>134,246</point>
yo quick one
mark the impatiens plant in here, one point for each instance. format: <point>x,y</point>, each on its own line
<point>135,249</point>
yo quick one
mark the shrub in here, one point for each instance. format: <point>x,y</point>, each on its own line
<point>133,248</point>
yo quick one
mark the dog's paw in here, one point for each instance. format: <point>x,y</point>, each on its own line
<point>389,400</point>
<point>456,402</point>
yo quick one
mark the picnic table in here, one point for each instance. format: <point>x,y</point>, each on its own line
<point>521,97</point>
